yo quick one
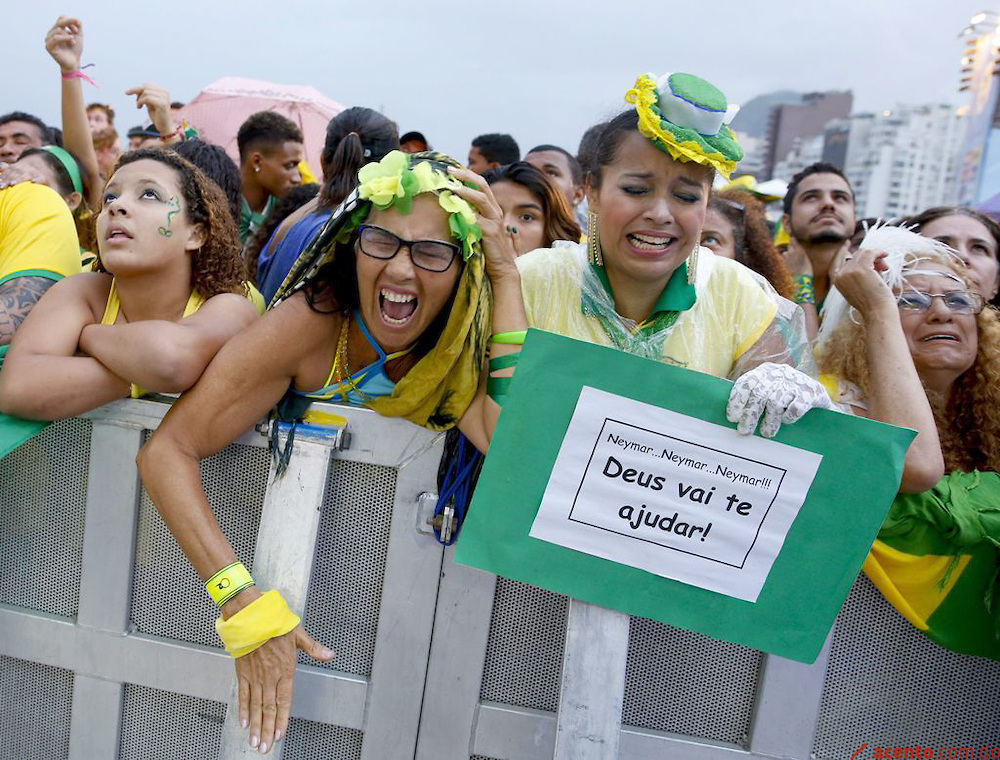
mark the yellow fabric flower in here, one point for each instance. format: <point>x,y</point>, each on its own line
<point>382,182</point>
<point>427,178</point>
<point>455,205</point>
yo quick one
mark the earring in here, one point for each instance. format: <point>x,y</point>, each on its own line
<point>256,168</point>
<point>692,264</point>
<point>594,252</point>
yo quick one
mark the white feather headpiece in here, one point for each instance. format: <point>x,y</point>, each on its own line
<point>905,251</point>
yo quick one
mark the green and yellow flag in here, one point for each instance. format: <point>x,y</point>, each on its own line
<point>936,560</point>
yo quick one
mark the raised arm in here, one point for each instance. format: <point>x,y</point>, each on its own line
<point>64,42</point>
<point>169,357</point>
<point>895,394</point>
<point>244,381</point>
<point>480,419</point>
<point>43,378</point>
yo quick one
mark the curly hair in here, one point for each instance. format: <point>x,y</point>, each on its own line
<point>217,266</point>
<point>752,238</point>
<point>968,421</point>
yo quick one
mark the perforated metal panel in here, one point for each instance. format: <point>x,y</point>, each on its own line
<point>235,481</point>
<point>35,705</point>
<point>346,583</point>
<point>158,725</point>
<point>887,684</point>
<point>318,741</point>
<point>688,683</point>
<point>525,650</point>
<point>43,498</point>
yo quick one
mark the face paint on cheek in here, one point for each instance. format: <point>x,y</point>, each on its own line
<point>174,208</point>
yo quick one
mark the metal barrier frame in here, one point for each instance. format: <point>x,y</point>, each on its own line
<point>422,699</point>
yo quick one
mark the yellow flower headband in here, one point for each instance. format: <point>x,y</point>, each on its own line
<point>396,180</point>
<point>686,117</point>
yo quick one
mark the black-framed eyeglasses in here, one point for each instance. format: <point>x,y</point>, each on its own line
<point>957,301</point>
<point>432,255</point>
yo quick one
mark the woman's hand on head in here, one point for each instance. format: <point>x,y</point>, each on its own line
<point>64,42</point>
<point>860,283</point>
<point>498,248</point>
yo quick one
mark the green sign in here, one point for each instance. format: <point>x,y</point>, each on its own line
<point>815,555</point>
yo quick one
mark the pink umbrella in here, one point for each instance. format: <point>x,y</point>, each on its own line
<point>218,111</point>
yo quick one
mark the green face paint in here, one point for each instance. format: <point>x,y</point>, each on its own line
<point>174,206</point>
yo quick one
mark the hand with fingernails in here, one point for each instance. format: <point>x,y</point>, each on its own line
<point>64,41</point>
<point>156,101</point>
<point>498,246</point>
<point>862,286</point>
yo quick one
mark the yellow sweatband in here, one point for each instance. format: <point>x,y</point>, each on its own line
<point>261,620</point>
<point>228,582</point>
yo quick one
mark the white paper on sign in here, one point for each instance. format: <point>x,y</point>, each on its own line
<point>673,495</point>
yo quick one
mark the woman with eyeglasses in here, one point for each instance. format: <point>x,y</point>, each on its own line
<point>936,556</point>
<point>388,307</point>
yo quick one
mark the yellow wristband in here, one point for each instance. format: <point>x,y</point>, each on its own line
<point>261,620</point>
<point>228,582</point>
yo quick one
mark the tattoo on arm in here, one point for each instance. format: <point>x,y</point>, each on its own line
<point>17,297</point>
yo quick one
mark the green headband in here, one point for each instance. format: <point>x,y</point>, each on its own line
<point>69,163</point>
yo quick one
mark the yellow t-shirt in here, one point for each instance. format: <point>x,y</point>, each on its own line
<point>37,234</point>
<point>730,312</point>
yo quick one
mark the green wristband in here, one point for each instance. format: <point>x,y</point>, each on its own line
<point>503,362</point>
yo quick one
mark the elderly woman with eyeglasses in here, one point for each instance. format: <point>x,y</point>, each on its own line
<point>936,556</point>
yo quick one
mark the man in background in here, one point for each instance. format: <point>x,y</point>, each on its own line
<point>20,131</point>
<point>492,151</point>
<point>271,148</point>
<point>819,217</point>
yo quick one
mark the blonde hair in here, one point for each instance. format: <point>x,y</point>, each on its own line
<point>968,421</point>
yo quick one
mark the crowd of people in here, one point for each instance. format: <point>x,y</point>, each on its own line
<point>403,281</point>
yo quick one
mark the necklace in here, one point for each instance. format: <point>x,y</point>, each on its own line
<point>342,370</point>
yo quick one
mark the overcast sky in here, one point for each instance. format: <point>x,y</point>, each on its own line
<point>543,70</point>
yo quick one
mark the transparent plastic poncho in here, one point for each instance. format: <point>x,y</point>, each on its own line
<point>737,322</point>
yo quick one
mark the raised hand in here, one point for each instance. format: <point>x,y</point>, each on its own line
<point>64,41</point>
<point>156,101</point>
<point>498,247</point>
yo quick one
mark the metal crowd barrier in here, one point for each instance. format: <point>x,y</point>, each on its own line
<point>107,648</point>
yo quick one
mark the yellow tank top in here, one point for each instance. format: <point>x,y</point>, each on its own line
<point>194,302</point>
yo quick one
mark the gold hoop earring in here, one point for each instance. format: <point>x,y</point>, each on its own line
<point>594,252</point>
<point>692,264</point>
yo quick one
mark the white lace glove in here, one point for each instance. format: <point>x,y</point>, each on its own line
<point>776,391</point>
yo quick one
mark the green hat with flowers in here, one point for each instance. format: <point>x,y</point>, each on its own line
<point>688,118</point>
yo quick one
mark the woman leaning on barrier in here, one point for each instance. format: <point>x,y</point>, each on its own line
<point>388,307</point>
<point>936,557</point>
<point>168,292</point>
